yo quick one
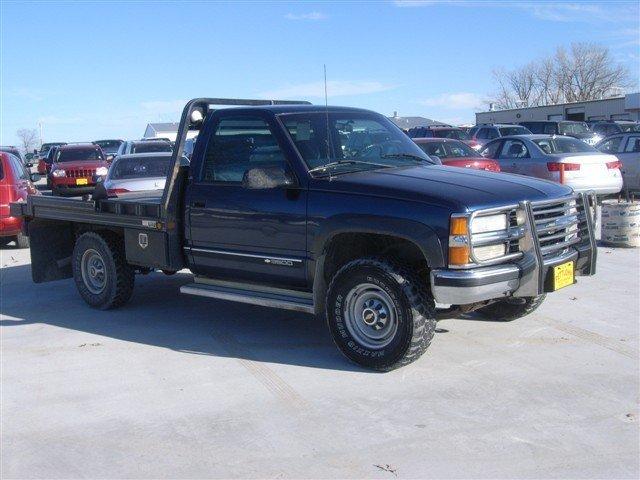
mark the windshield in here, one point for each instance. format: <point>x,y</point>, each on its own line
<point>563,145</point>
<point>630,127</point>
<point>572,128</point>
<point>450,133</point>
<point>109,146</point>
<point>504,131</point>
<point>142,167</point>
<point>351,141</point>
<point>156,146</point>
<point>450,149</point>
<point>79,154</point>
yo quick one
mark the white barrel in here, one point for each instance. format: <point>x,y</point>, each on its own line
<point>621,223</point>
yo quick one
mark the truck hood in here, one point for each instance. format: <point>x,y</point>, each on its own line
<point>451,187</point>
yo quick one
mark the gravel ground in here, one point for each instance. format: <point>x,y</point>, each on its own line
<point>174,386</point>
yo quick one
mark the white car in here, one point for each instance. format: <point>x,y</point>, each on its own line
<point>558,158</point>
<point>137,172</point>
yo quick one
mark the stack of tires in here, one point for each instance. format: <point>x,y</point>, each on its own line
<point>621,223</point>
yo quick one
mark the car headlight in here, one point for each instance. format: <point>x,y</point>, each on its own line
<point>102,171</point>
<point>58,172</point>
<point>489,223</point>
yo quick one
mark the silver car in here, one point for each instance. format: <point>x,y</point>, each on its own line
<point>557,158</point>
<point>626,147</point>
<point>137,172</point>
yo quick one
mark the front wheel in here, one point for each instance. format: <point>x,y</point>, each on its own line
<point>103,277</point>
<point>380,316</point>
<point>511,308</point>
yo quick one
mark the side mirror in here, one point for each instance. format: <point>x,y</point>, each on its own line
<point>35,177</point>
<point>263,178</point>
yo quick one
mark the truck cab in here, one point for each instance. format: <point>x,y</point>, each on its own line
<point>332,211</point>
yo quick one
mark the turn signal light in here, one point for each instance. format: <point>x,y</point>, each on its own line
<point>459,241</point>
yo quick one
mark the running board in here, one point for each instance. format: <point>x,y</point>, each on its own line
<point>292,300</point>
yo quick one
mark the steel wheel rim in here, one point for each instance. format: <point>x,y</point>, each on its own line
<point>370,316</point>
<point>94,272</point>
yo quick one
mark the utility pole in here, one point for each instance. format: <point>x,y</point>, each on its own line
<point>40,128</point>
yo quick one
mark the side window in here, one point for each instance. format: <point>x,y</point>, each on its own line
<point>237,145</point>
<point>492,133</point>
<point>482,133</point>
<point>633,145</point>
<point>611,145</point>
<point>473,131</point>
<point>514,149</point>
<point>18,169</point>
<point>491,150</point>
<point>549,129</point>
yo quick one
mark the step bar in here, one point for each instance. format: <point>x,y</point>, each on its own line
<point>244,293</point>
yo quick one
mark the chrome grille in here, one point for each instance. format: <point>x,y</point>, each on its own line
<point>557,225</point>
<point>81,172</point>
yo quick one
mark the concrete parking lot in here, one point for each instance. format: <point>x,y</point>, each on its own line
<point>175,386</point>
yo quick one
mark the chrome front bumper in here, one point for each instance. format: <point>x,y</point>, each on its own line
<point>526,277</point>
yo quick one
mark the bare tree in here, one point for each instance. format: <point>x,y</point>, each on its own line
<point>28,138</point>
<point>583,72</point>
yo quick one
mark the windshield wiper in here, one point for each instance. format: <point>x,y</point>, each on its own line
<point>407,155</point>
<point>329,165</point>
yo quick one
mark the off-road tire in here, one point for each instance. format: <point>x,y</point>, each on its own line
<point>120,276</point>
<point>22,241</point>
<point>414,306</point>
<point>506,311</point>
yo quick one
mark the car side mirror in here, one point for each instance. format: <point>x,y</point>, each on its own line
<point>35,177</point>
<point>263,178</point>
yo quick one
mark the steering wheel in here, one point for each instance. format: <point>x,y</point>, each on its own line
<point>389,147</point>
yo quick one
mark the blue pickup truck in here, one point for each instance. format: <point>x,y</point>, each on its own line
<point>326,210</point>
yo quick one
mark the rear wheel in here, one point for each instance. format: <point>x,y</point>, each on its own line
<point>379,314</point>
<point>512,308</point>
<point>103,277</point>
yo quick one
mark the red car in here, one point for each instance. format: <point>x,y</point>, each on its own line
<point>15,185</point>
<point>456,154</point>
<point>76,168</point>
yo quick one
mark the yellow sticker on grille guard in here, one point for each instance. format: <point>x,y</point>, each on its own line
<point>563,275</point>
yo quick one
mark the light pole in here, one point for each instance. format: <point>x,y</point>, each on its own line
<point>40,128</point>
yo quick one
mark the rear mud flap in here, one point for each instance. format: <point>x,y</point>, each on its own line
<point>51,244</point>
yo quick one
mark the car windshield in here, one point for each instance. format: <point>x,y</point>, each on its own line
<point>141,167</point>
<point>573,128</point>
<point>563,145</point>
<point>630,127</point>
<point>157,146</point>
<point>338,142</point>
<point>504,131</point>
<point>109,146</point>
<point>450,149</point>
<point>451,133</point>
<point>78,154</point>
<point>46,146</point>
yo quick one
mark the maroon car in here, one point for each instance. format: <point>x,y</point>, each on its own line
<point>456,154</point>
<point>76,169</point>
<point>15,185</point>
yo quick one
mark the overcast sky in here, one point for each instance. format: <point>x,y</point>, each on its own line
<point>90,69</point>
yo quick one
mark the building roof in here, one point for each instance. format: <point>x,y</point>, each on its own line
<point>164,127</point>
<point>411,122</point>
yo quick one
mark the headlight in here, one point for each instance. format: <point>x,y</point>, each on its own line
<point>59,173</point>
<point>489,252</point>
<point>489,223</point>
<point>102,171</point>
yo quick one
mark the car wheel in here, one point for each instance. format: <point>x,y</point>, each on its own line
<point>379,315</point>
<point>22,241</point>
<point>103,277</point>
<point>511,309</point>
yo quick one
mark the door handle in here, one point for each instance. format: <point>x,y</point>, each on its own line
<point>198,204</point>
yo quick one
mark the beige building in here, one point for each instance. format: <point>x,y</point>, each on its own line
<point>615,108</point>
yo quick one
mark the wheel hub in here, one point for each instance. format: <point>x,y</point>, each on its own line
<point>370,316</point>
<point>94,274</point>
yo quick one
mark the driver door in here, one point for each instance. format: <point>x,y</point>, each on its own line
<point>239,233</point>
